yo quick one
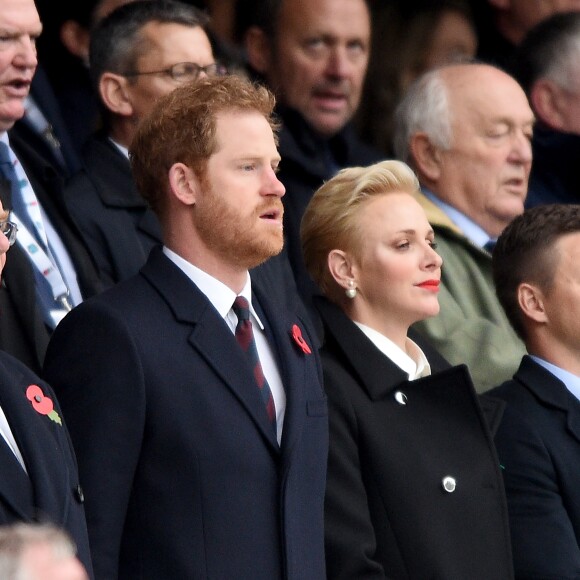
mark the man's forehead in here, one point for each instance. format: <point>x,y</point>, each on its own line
<point>231,124</point>
<point>18,15</point>
<point>306,14</point>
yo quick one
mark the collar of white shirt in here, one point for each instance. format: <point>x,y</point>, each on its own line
<point>413,361</point>
<point>216,292</point>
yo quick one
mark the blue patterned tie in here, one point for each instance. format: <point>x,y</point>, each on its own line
<point>47,303</point>
<point>9,173</point>
<point>245,338</point>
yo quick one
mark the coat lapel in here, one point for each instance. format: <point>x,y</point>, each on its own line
<point>41,449</point>
<point>210,337</point>
<point>377,373</point>
<point>550,391</point>
<point>292,362</point>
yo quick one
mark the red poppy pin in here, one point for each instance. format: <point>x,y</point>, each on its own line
<point>42,404</point>
<point>299,340</point>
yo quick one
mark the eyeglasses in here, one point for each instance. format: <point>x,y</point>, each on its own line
<point>9,229</point>
<point>183,72</point>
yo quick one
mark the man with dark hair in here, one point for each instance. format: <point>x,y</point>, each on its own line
<point>314,56</point>
<point>193,394</point>
<point>140,52</point>
<point>536,268</point>
<point>547,64</point>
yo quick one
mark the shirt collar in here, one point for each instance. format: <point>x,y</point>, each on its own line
<point>473,232</point>
<point>220,296</point>
<point>120,147</point>
<point>571,381</point>
<point>413,362</point>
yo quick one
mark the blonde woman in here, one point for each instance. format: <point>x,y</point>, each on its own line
<point>414,486</point>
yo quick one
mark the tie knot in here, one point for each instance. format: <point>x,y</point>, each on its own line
<point>242,308</point>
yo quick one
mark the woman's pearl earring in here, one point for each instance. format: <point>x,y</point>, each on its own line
<point>351,290</point>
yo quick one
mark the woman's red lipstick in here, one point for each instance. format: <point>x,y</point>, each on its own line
<point>431,285</point>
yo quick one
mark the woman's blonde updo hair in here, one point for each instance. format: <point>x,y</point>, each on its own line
<point>331,219</point>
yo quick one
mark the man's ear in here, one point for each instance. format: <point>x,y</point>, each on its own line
<point>258,49</point>
<point>531,302</point>
<point>184,184</point>
<point>426,156</point>
<point>114,94</point>
<point>76,39</point>
<point>341,267</point>
<point>546,99</point>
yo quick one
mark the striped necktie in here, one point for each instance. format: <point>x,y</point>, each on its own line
<point>245,338</point>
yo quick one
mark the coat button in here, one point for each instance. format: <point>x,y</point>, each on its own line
<point>449,484</point>
<point>401,398</point>
<point>79,495</point>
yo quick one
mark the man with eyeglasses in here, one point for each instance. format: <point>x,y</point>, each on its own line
<point>140,52</point>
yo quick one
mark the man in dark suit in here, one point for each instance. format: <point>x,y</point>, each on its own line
<point>51,270</point>
<point>536,266</point>
<point>39,481</point>
<point>193,467</point>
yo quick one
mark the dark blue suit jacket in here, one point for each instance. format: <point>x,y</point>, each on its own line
<point>182,473</point>
<point>539,448</point>
<point>49,491</point>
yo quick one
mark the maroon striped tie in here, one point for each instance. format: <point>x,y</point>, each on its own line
<point>245,338</point>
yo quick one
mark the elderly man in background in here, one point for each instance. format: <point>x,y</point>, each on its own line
<point>466,130</point>
<point>50,269</point>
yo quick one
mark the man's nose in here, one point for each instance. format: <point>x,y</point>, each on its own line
<point>273,186</point>
<point>339,64</point>
<point>522,148</point>
<point>26,54</point>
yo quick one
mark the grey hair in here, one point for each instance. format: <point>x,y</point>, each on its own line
<point>551,51</point>
<point>15,539</point>
<point>423,109</point>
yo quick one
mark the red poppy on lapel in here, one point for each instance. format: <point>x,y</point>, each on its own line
<point>299,340</point>
<point>42,404</point>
